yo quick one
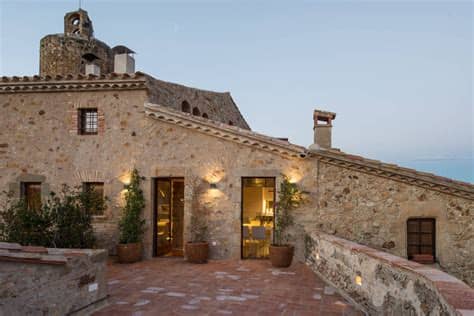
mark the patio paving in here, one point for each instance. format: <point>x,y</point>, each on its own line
<point>171,286</point>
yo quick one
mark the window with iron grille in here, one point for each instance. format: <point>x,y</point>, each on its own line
<point>88,122</point>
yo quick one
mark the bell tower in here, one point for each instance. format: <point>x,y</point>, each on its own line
<point>77,23</point>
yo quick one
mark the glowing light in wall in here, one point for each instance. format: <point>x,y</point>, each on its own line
<point>294,176</point>
<point>358,280</point>
<point>126,178</point>
<point>317,256</point>
<point>212,171</point>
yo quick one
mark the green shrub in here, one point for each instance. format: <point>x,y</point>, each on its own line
<point>63,221</point>
<point>289,198</point>
<point>131,224</point>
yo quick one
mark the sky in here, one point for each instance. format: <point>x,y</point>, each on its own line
<point>397,73</point>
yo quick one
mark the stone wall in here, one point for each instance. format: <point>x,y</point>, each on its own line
<point>41,281</point>
<point>384,284</point>
<point>217,106</point>
<point>373,211</point>
<point>62,55</point>
<point>36,140</point>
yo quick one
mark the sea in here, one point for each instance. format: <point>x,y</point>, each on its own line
<point>461,169</point>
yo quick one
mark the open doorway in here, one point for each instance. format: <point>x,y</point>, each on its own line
<point>258,203</point>
<point>168,217</point>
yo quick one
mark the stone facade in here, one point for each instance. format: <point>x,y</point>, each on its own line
<point>39,124</point>
<point>62,55</point>
<point>41,281</point>
<point>373,211</point>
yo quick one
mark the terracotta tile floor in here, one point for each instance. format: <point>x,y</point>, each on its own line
<point>171,286</point>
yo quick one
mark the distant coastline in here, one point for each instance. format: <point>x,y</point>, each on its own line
<point>461,169</point>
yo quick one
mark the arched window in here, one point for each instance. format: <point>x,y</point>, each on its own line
<point>205,115</point>
<point>231,123</point>
<point>185,107</point>
<point>196,111</point>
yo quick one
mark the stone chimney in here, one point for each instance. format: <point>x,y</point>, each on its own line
<point>92,68</point>
<point>322,129</point>
<point>123,60</point>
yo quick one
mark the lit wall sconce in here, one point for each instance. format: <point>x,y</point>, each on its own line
<point>213,185</point>
<point>358,280</point>
<point>317,256</point>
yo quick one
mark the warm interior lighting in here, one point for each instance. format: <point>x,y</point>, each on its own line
<point>358,280</point>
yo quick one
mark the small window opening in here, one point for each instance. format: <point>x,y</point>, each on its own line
<point>205,115</point>
<point>95,191</point>
<point>231,123</point>
<point>31,194</point>
<point>185,107</point>
<point>196,111</point>
<point>75,21</point>
<point>88,122</point>
<point>421,239</point>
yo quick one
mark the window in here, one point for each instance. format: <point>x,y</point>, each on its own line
<point>88,121</point>
<point>185,107</point>
<point>196,112</point>
<point>231,123</point>
<point>31,193</point>
<point>205,115</point>
<point>421,239</point>
<point>96,198</point>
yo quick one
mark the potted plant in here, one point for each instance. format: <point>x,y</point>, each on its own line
<point>197,250</point>
<point>281,252</point>
<point>131,223</point>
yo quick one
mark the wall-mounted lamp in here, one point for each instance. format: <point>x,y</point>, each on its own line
<point>358,280</point>
<point>213,185</point>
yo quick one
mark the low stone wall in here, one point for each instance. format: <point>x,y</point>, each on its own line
<point>48,281</point>
<point>384,284</point>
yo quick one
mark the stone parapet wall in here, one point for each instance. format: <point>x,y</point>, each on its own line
<point>384,284</point>
<point>50,281</point>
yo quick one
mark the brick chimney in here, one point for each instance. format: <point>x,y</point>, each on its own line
<point>322,129</point>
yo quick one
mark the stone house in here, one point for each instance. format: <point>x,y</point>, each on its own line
<point>88,118</point>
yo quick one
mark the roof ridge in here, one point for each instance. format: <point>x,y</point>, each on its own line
<point>71,77</point>
<point>222,130</point>
<point>398,173</point>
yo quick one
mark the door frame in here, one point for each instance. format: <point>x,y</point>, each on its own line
<point>155,210</point>
<point>242,211</point>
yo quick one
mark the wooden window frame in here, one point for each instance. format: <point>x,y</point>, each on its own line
<point>420,233</point>
<point>24,191</point>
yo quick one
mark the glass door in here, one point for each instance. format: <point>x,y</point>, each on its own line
<point>169,213</point>
<point>258,199</point>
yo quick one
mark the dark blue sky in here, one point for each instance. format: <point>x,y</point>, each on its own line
<point>398,74</point>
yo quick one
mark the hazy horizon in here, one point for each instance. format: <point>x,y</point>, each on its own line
<point>398,74</point>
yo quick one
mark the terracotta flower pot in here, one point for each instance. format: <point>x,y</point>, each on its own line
<point>281,256</point>
<point>197,252</point>
<point>129,253</point>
